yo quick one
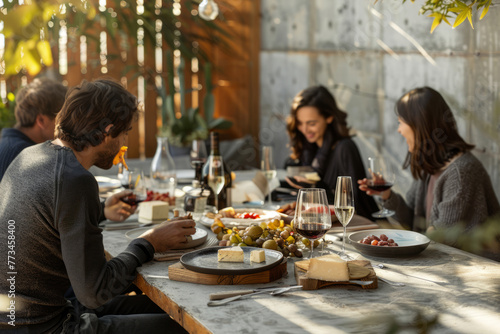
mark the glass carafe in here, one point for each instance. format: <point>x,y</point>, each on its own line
<point>163,176</point>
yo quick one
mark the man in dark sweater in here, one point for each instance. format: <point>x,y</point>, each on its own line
<point>37,105</point>
<point>50,211</point>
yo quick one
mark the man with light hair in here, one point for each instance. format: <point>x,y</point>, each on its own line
<point>37,105</point>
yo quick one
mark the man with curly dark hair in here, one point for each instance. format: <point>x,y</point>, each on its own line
<point>50,204</point>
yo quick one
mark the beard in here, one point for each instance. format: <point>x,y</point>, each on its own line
<point>105,158</point>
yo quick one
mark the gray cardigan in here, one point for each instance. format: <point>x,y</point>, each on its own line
<point>463,193</point>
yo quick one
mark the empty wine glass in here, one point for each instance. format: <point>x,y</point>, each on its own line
<point>216,177</point>
<point>312,215</point>
<point>268,167</point>
<point>344,207</point>
<point>382,178</point>
<point>134,180</point>
<point>198,156</point>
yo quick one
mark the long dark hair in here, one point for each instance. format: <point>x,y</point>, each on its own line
<point>320,98</point>
<point>436,134</point>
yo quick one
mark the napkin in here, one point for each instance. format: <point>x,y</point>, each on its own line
<point>252,190</point>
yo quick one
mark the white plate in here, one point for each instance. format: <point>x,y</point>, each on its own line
<point>106,183</point>
<point>409,243</point>
<point>265,216</point>
<point>196,239</point>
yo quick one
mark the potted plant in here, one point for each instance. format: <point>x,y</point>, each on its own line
<point>191,125</point>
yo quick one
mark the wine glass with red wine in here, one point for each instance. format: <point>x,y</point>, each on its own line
<point>312,215</point>
<point>381,178</point>
<point>134,180</point>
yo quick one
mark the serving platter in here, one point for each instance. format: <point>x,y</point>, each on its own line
<point>409,243</point>
<point>265,216</point>
<point>197,239</point>
<point>205,261</point>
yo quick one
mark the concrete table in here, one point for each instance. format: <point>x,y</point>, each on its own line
<point>467,300</point>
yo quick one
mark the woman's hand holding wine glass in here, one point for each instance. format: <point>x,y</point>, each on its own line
<point>312,215</point>
<point>382,178</point>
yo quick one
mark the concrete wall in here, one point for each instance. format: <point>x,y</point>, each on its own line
<point>368,55</point>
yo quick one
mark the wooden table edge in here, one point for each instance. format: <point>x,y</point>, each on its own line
<point>177,313</point>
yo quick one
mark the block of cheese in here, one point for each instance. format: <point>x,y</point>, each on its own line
<point>312,176</point>
<point>153,210</point>
<point>233,254</point>
<point>328,268</point>
<point>258,256</point>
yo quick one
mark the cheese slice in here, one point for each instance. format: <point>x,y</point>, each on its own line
<point>233,254</point>
<point>258,256</point>
<point>328,268</point>
<point>154,210</point>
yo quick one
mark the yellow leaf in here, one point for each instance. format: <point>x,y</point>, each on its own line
<point>485,10</point>
<point>446,20</point>
<point>48,11</point>
<point>91,13</point>
<point>43,48</point>
<point>32,63</point>
<point>18,19</point>
<point>435,23</point>
<point>469,17</point>
<point>460,18</point>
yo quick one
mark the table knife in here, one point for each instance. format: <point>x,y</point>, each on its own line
<point>227,294</point>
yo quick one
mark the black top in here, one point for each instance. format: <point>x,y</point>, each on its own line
<point>12,143</point>
<point>342,159</point>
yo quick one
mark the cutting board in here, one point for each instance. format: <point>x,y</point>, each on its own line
<point>314,284</point>
<point>177,272</point>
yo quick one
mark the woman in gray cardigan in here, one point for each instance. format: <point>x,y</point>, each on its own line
<point>451,185</point>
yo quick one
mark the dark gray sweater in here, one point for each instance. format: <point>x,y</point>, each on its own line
<point>54,204</point>
<point>463,193</point>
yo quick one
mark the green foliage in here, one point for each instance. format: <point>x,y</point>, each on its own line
<point>182,130</point>
<point>32,29</point>
<point>7,118</point>
<point>442,10</point>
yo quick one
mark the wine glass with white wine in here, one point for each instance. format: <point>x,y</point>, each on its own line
<point>268,167</point>
<point>344,207</point>
<point>216,177</point>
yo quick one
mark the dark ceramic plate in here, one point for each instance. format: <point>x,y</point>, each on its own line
<point>205,261</point>
<point>410,243</point>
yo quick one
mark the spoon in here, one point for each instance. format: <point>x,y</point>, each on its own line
<point>230,299</point>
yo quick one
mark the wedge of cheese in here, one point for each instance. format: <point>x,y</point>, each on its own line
<point>328,268</point>
<point>233,254</point>
<point>153,210</point>
<point>258,256</point>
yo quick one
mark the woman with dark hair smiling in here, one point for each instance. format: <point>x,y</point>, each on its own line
<point>451,185</point>
<point>320,138</point>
